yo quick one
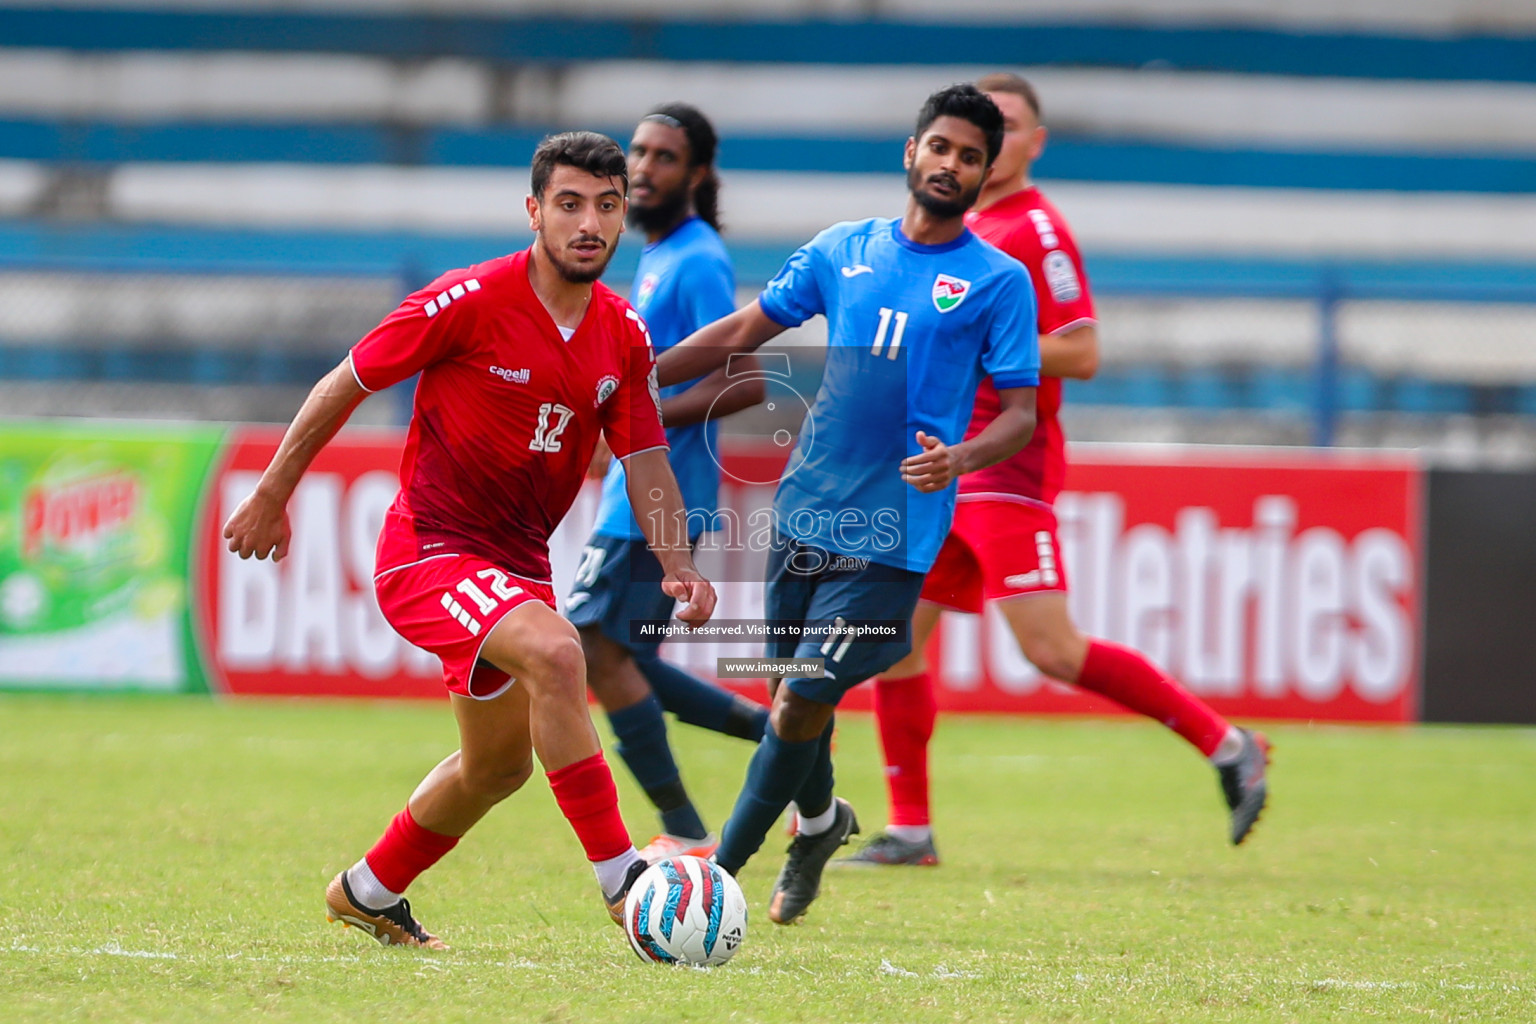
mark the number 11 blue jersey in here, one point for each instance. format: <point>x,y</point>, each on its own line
<point>912,329</point>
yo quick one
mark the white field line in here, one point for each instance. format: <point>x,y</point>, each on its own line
<point>116,949</point>
<point>436,963</point>
<point>940,972</point>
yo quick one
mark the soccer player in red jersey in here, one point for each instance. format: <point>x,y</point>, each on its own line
<point>1003,545</point>
<point>524,361</point>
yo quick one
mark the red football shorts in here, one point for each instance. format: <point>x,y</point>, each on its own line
<point>448,605</point>
<point>996,549</point>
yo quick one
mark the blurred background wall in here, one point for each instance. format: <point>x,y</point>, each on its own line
<point>1306,223</point>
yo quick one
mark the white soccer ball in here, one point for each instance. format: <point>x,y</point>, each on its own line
<point>685,911</point>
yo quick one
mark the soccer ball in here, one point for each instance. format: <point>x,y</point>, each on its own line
<point>685,911</point>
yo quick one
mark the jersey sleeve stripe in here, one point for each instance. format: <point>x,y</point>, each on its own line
<point>1071,325</point>
<point>642,451</point>
<point>1016,380</point>
<point>355,377</point>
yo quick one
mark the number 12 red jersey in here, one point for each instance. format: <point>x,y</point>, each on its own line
<point>507,412</point>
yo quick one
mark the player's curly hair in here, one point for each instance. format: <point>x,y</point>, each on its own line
<point>702,144</point>
<point>593,153</point>
<point>968,103</point>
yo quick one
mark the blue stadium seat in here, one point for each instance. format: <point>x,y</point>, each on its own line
<point>1418,395</point>
<point>1280,388</point>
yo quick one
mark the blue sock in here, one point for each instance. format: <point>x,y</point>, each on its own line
<point>776,772</point>
<point>815,794</point>
<point>703,704</point>
<point>642,734</point>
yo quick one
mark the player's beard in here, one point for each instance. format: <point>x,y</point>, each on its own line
<point>664,211</point>
<point>944,208</point>
<point>577,273</point>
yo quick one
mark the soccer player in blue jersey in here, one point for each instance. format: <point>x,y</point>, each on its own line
<point>683,282</point>
<point>918,310</point>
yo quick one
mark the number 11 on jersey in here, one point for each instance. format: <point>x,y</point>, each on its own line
<point>886,314</point>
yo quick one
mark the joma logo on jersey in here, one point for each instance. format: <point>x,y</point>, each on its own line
<point>512,376</point>
<point>949,292</point>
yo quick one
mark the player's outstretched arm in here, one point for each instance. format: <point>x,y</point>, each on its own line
<point>260,525</point>
<point>708,348</point>
<point>721,393</point>
<point>658,506</point>
<point>939,464</point>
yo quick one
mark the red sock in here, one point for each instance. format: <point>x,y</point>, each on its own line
<point>905,711</point>
<point>589,801</point>
<point>405,851</point>
<point>1127,677</point>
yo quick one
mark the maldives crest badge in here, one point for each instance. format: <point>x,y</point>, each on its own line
<point>949,292</point>
<point>646,290</point>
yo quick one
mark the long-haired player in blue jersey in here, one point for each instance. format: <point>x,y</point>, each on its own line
<point>918,310</point>
<point>684,281</point>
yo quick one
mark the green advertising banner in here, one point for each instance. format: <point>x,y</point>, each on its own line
<point>96,522</point>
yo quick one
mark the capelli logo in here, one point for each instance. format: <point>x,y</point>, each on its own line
<point>512,376</point>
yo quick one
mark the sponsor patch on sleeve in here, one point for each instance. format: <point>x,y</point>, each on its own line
<point>1061,277</point>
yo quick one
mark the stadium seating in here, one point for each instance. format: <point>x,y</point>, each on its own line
<point>1259,191</point>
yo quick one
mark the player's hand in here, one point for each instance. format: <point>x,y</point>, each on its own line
<point>687,585</point>
<point>602,457</point>
<point>259,527</point>
<point>932,469</point>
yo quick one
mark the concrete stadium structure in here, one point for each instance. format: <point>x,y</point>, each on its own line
<point>1337,196</point>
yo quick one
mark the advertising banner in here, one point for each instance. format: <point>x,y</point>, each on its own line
<point>94,530</point>
<point>1273,584</point>
<point>308,624</point>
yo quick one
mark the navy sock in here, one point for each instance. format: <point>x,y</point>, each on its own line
<point>703,704</point>
<point>776,772</point>
<point>815,794</point>
<point>642,734</point>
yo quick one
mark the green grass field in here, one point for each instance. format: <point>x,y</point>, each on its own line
<point>164,860</point>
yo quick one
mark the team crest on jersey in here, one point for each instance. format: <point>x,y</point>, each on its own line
<point>949,292</point>
<point>654,386</point>
<point>1061,277</point>
<point>605,389</point>
<point>646,290</point>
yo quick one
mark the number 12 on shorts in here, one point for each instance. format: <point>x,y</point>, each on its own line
<point>501,587</point>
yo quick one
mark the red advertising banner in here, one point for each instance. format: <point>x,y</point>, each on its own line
<point>1272,584</point>
<point>309,624</point>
